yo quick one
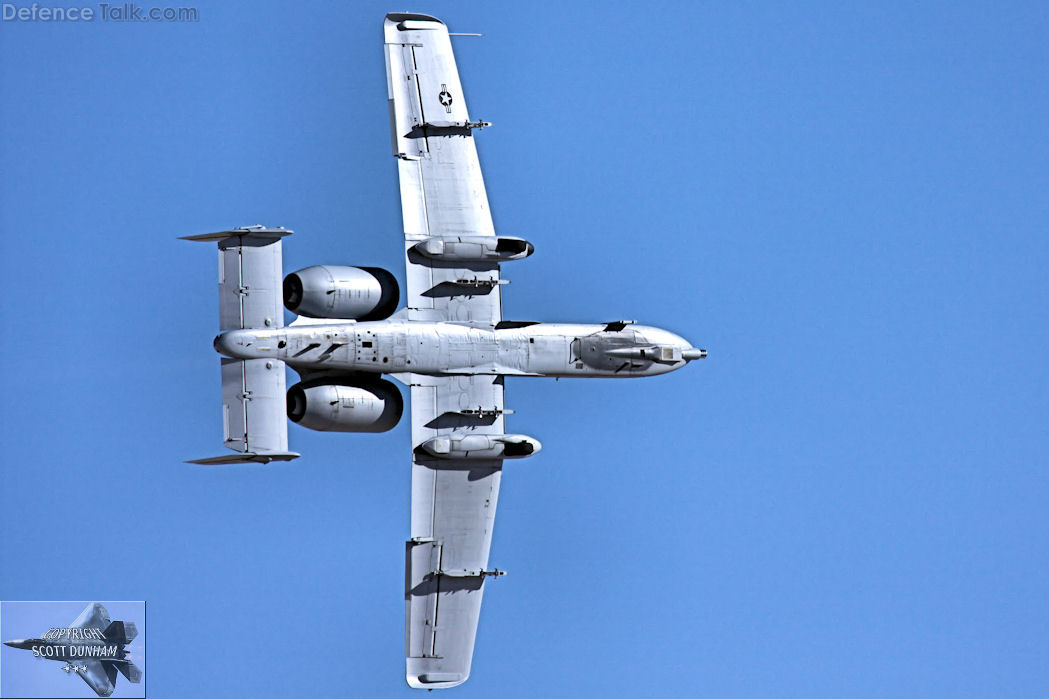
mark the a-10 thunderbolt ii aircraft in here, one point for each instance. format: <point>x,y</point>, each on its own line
<point>450,345</point>
<point>92,647</point>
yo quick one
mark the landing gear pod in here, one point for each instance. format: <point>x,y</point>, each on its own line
<point>372,407</point>
<point>481,446</point>
<point>474,248</point>
<point>354,293</point>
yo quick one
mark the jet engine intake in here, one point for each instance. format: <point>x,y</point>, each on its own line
<point>481,446</point>
<point>373,407</point>
<point>355,293</point>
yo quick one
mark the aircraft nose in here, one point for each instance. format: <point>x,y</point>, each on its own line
<point>17,643</point>
<point>688,352</point>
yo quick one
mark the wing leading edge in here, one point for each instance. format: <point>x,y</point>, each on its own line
<point>94,616</point>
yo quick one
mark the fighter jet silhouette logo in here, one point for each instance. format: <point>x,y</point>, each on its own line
<point>93,647</point>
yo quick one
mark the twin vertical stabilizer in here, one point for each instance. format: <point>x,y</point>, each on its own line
<point>254,415</point>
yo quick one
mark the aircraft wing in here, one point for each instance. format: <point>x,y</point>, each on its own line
<point>453,500</point>
<point>94,616</point>
<point>100,676</point>
<point>453,511</point>
<point>442,191</point>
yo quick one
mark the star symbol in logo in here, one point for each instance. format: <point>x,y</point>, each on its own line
<point>445,97</point>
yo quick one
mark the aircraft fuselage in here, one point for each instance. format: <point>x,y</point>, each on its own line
<point>96,648</point>
<point>440,348</point>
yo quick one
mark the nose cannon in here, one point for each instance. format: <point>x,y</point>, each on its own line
<point>664,354</point>
<point>636,351</point>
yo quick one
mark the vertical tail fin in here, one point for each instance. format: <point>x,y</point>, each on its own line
<point>121,632</point>
<point>253,402</point>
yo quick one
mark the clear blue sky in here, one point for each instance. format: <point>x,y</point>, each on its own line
<point>22,675</point>
<point>845,204</point>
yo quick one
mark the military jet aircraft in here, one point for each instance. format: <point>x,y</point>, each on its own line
<point>450,345</point>
<point>92,646</point>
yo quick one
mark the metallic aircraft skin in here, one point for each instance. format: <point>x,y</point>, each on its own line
<point>92,646</point>
<point>449,345</point>
<point>560,350</point>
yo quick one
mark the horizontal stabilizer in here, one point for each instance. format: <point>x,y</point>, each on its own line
<point>254,414</point>
<point>129,670</point>
<point>111,674</point>
<point>250,231</point>
<point>254,408</point>
<point>246,458</point>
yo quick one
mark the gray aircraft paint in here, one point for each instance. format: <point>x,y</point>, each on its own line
<point>449,345</point>
<point>396,346</point>
<point>92,646</point>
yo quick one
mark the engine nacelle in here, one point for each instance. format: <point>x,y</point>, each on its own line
<point>481,446</point>
<point>372,407</point>
<point>328,291</point>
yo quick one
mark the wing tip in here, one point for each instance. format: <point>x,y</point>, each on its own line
<point>435,680</point>
<point>398,17</point>
<point>434,673</point>
<point>398,22</point>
